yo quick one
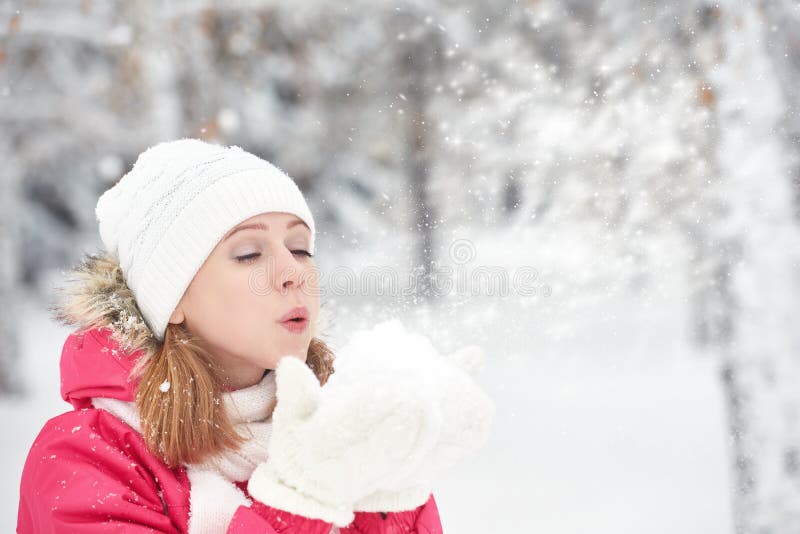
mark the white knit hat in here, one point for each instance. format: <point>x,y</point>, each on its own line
<point>165,216</point>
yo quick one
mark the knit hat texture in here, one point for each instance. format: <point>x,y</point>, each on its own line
<point>166,215</point>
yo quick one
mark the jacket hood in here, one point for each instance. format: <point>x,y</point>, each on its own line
<point>111,340</point>
<point>92,365</point>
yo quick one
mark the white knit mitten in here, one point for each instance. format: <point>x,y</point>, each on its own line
<point>465,410</point>
<point>334,445</point>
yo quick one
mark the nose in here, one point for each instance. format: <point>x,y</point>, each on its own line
<point>288,270</point>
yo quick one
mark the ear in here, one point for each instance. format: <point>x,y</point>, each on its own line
<point>177,316</point>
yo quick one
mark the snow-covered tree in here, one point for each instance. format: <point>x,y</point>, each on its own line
<point>755,242</point>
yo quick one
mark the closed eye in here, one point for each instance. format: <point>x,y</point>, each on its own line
<point>249,258</point>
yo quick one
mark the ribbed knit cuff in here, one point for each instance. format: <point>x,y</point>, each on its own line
<point>265,485</point>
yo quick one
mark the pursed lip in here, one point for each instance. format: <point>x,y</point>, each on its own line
<point>299,312</point>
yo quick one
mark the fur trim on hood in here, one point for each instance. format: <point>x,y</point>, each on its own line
<point>95,295</point>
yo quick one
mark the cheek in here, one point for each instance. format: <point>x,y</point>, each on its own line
<point>222,307</point>
<point>311,282</point>
<point>314,304</point>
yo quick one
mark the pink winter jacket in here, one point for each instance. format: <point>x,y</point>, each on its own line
<point>89,472</point>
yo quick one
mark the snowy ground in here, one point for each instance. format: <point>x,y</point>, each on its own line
<point>593,434</point>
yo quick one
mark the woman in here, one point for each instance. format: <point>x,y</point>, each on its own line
<point>206,285</point>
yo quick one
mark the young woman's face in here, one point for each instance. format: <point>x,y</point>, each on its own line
<point>258,272</point>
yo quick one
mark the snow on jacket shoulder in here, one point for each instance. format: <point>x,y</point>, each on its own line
<point>87,471</point>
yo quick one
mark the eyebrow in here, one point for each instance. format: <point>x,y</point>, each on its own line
<point>261,226</point>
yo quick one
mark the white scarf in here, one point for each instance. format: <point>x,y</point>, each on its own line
<point>214,497</point>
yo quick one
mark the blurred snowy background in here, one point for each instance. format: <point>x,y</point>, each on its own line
<point>610,189</point>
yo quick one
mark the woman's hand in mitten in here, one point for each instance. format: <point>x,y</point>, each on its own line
<point>465,410</point>
<point>332,446</point>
